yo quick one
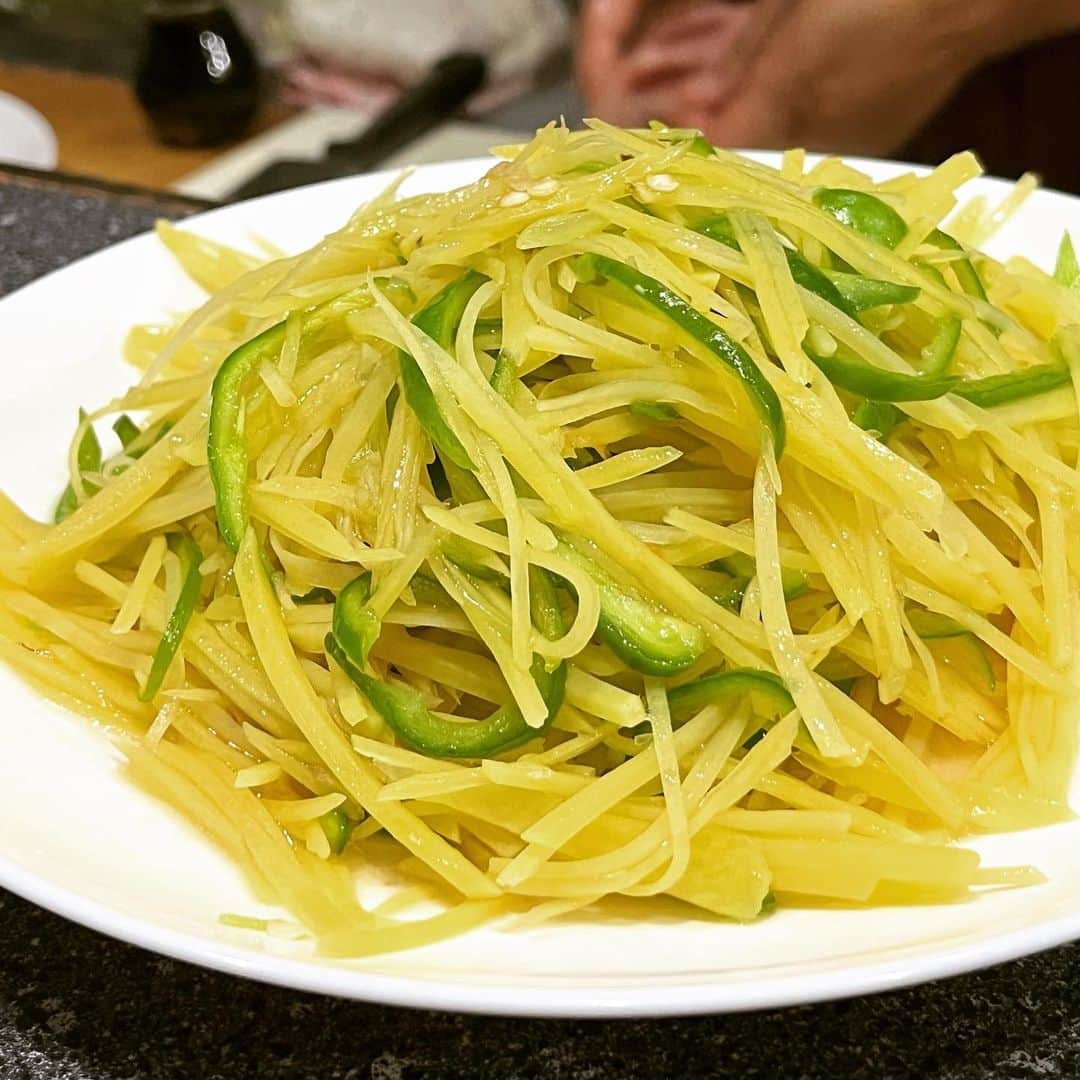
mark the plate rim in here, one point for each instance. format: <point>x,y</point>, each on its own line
<point>429,990</point>
<point>43,130</point>
<point>601,1002</point>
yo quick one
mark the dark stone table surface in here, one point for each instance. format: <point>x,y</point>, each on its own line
<point>77,1006</point>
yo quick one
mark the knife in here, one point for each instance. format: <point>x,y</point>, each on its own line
<point>449,84</point>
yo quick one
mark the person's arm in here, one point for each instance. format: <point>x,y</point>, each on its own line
<point>1015,25</point>
<point>857,76</point>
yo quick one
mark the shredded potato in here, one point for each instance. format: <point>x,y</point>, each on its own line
<point>898,604</point>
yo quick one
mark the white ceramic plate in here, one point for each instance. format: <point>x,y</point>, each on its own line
<point>26,137</point>
<point>77,839</point>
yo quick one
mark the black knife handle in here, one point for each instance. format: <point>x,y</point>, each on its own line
<point>448,85</point>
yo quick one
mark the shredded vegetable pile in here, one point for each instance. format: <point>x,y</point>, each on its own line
<point>636,520</point>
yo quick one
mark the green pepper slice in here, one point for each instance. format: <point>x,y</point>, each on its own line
<point>878,416</point>
<point>850,293</point>
<point>965,271</point>
<point>880,385</point>
<point>488,327</point>
<point>864,293</point>
<point>701,147</point>
<point>644,636</point>
<point>684,701</point>
<point>588,168</point>
<point>337,828</point>
<point>404,711</point>
<point>931,271</point>
<point>439,319</point>
<point>134,440</point>
<point>1014,386</point>
<point>1067,267</point>
<point>868,215</point>
<point>315,595</point>
<point>718,585</point>
<point>695,144</point>
<point>659,411</point>
<point>937,356</point>
<point>464,487</point>
<point>503,375</point>
<point>477,561</point>
<point>702,330</point>
<point>225,447</point>
<point>191,557</point>
<point>743,567</point>
<point>933,626</point>
<point>803,273</point>
<point>89,460</point>
<point>127,431</point>
<point>354,623</point>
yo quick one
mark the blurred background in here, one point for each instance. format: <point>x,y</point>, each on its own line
<point>218,100</point>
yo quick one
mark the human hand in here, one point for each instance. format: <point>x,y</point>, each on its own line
<point>853,76</point>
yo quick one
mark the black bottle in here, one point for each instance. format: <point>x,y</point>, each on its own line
<point>197,79</point>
